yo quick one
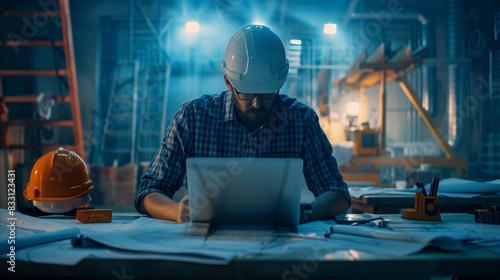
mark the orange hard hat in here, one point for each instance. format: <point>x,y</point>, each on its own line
<point>58,175</point>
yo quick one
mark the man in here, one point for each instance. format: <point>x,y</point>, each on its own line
<point>250,119</point>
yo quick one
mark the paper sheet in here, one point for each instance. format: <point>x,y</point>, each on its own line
<point>359,192</point>
<point>148,238</point>
<point>457,185</point>
<point>64,253</point>
<point>28,231</point>
<point>444,238</point>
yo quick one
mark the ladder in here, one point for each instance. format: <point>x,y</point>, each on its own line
<point>38,16</point>
<point>153,111</point>
<point>118,144</point>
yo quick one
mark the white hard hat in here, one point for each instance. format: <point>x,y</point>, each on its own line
<point>255,60</point>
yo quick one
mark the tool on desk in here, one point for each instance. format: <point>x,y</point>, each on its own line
<point>35,212</point>
<point>378,221</point>
<point>82,214</point>
<point>490,215</point>
<point>434,185</point>
<point>94,215</point>
<point>422,187</point>
<point>425,208</point>
<point>210,230</point>
<point>84,242</point>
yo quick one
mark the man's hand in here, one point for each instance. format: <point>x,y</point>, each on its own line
<point>184,210</point>
<point>328,205</point>
<point>160,206</point>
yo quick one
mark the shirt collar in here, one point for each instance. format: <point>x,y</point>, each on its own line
<point>229,110</point>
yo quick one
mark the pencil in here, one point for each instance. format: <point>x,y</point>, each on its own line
<point>420,185</point>
<point>433,182</point>
<point>434,185</point>
<point>437,185</point>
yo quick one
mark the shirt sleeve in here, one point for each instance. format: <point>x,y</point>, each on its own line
<point>321,171</point>
<point>166,172</point>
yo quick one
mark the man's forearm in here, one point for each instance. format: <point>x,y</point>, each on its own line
<point>328,205</point>
<point>160,206</point>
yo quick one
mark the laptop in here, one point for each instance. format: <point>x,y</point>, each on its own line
<point>245,193</point>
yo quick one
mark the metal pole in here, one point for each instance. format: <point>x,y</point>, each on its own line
<point>131,31</point>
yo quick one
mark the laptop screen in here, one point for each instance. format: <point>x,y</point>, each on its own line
<point>249,193</point>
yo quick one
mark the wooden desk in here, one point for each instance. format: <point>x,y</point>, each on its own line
<point>393,204</point>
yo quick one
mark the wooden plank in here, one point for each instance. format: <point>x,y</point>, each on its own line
<point>379,55</point>
<point>364,71</point>
<point>339,81</point>
<point>354,72</point>
<point>30,13</point>
<point>426,118</point>
<point>31,43</point>
<point>403,55</point>
<point>402,59</point>
<point>31,99</point>
<point>382,112</point>
<point>5,138</point>
<point>68,123</point>
<point>399,64</point>
<point>72,81</point>
<point>27,72</point>
<point>40,147</point>
<point>370,77</point>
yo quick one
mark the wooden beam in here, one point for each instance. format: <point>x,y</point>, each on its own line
<point>41,147</point>
<point>417,104</point>
<point>363,106</point>
<point>370,77</point>
<point>403,55</point>
<point>399,64</point>
<point>31,99</point>
<point>354,73</point>
<point>72,81</point>
<point>26,72</point>
<point>382,113</point>
<point>379,55</point>
<point>68,123</point>
<point>30,14</point>
<point>31,43</point>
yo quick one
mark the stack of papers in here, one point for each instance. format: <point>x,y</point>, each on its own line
<point>69,241</point>
<point>450,187</point>
<point>22,231</point>
<point>456,185</point>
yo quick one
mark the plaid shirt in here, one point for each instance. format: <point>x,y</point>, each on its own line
<point>208,127</point>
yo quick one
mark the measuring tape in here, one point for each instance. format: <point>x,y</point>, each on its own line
<point>491,215</point>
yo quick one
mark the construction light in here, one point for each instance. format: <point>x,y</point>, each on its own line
<point>330,28</point>
<point>192,27</point>
<point>353,108</point>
